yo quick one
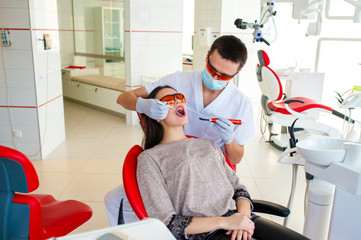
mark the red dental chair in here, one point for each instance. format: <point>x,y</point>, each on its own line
<point>277,109</point>
<point>32,216</point>
<point>265,229</point>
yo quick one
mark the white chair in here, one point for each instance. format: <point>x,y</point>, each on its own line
<point>283,111</point>
<point>277,109</point>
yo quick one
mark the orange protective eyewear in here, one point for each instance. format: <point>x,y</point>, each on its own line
<point>171,98</point>
<point>220,76</point>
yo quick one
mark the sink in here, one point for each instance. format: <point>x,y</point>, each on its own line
<point>322,151</point>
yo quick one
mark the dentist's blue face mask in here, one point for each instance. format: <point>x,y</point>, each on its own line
<point>212,83</point>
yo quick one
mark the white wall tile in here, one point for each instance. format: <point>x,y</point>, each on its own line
<point>64,5</point>
<point>46,60</point>
<point>29,133</point>
<point>14,18</point>
<point>47,5</point>
<point>52,127</point>
<point>6,134</point>
<point>4,115</point>
<point>42,19</point>
<point>20,40</point>
<point>16,59</point>
<point>19,116</point>
<point>155,16</point>
<point>49,89</point>
<point>13,4</point>
<point>21,97</point>
<point>17,78</point>
<point>1,59</point>
<point>2,78</point>
<point>22,119</point>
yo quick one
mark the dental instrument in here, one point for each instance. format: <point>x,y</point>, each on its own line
<point>352,101</point>
<point>234,121</point>
<point>163,103</point>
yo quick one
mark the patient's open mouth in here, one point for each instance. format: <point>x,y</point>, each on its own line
<point>180,111</point>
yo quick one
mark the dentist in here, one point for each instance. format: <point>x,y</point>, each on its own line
<point>210,94</point>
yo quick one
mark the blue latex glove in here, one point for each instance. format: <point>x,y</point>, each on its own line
<point>225,128</point>
<point>151,108</point>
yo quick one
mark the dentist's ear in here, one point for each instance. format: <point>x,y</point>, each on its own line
<point>206,56</point>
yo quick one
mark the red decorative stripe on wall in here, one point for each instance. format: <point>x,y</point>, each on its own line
<point>45,29</point>
<point>32,106</point>
<point>143,31</point>
<point>40,29</point>
<point>21,29</point>
<point>51,100</point>
<point>17,107</point>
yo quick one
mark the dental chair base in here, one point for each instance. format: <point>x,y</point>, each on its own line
<point>318,210</point>
<point>346,216</point>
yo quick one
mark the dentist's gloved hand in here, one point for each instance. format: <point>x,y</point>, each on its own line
<point>151,108</point>
<point>225,128</point>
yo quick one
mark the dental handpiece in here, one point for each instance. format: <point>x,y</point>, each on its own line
<point>234,121</point>
<point>163,103</point>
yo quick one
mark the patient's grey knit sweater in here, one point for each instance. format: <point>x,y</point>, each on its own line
<point>184,179</point>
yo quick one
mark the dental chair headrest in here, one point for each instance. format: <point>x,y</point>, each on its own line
<point>263,58</point>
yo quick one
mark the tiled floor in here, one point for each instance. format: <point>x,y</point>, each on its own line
<point>89,163</point>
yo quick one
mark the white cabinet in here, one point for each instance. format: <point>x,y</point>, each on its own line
<point>105,98</point>
<point>73,89</point>
<point>110,22</point>
<point>93,95</point>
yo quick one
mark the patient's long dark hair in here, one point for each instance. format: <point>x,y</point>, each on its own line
<point>153,131</point>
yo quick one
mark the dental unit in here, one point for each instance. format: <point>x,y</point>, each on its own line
<point>334,198</point>
<point>333,209</point>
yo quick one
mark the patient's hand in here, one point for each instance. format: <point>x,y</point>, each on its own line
<point>239,235</point>
<point>238,223</point>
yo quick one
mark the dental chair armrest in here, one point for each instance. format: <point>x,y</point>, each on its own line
<point>294,113</point>
<point>262,206</point>
<point>266,229</point>
<point>293,100</point>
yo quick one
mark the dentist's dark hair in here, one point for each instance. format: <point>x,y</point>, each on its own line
<point>230,48</point>
<point>153,131</point>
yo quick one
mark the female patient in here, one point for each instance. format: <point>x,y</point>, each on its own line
<point>186,182</point>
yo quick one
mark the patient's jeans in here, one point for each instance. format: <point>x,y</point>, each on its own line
<point>112,201</point>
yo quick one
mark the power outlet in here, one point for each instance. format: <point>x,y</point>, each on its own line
<point>17,133</point>
<point>5,38</point>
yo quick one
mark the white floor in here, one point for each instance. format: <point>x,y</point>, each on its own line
<point>89,163</point>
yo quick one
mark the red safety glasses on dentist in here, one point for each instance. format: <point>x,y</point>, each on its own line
<point>221,76</point>
<point>172,98</point>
